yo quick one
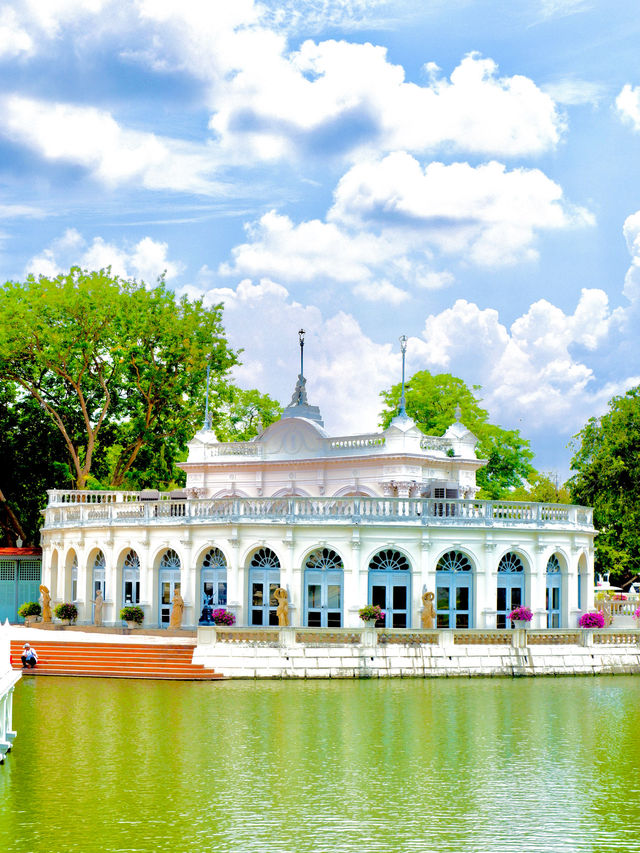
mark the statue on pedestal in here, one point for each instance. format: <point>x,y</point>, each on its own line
<point>98,603</point>
<point>46,603</point>
<point>282,612</point>
<point>177,611</point>
<point>428,615</point>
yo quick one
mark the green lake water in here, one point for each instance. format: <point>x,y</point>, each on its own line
<point>334,766</point>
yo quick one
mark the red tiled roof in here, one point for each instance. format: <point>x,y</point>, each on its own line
<point>20,552</point>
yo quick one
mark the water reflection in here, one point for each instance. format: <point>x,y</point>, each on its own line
<point>456,765</point>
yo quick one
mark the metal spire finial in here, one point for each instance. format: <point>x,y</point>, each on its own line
<point>402,409</point>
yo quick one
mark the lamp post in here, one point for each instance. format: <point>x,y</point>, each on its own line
<point>301,338</point>
<point>207,416</point>
<point>402,411</point>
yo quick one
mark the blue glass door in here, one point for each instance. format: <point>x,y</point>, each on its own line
<point>454,600</point>
<point>553,592</point>
<point>323,599</point>
<point>510,594</point>
<point>264,605</point>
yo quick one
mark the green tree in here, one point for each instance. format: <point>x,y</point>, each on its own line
<point>118,367</point>
<point>542,488</point>
<point>607,477</point>
<point>32,454</point>
<point>240,414</point>
<point>431,400</point>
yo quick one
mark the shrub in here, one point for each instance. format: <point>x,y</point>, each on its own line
<point>522,614</point>
<point>220,616</point>
<point>131,613</point>
<point>29,608</point>
<point>371,611</point>
<point>593,619</point>
<point>66,611</point>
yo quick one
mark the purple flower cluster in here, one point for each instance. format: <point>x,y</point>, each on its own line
<point>521,614</point>
<point>636,613</point>
<point>220,616</point>
<point>593,619</point>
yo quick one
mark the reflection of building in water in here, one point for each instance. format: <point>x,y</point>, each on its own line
<point>338,522</point>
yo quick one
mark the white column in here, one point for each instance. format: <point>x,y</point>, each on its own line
<point>236,583</point>
<point>188,585</point>
<point>355,584</point>
<point>486,588</point>
<point>539,587</point>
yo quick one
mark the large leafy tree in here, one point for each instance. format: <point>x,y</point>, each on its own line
<point>118,367</point>
<point>431,400</point>
<point>32,454</point>
<point>607,477</point>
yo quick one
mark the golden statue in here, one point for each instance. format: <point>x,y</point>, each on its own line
<point>46,603</point>
<point>282,612</point>
<point>98,603</point>
<point>177,611</point>
<point>428,615</point>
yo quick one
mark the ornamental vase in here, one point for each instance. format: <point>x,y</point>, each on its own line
<point>131,625</point>
<point>369,623</point>
<point>521,623</point>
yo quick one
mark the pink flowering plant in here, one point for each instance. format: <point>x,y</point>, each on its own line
<point>371,612</point>
<point>521,614</point>
<point>220,616</point>
<point>636,613</point>
<point>593,619</point>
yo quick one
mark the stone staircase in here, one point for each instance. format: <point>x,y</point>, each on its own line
<point>114,660</point>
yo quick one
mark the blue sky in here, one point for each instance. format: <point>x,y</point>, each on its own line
<point>465,173</point>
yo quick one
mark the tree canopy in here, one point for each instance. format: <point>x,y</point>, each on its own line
<point>118,367</point>
<point>431,400</point>
<point>607,477</point>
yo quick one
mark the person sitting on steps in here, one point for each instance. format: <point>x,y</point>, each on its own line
<point>29,656</point>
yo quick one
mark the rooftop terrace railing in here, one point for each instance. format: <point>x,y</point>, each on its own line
<point>87,508</point>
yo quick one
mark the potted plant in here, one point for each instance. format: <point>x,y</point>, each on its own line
<point>593,619</point>
<point>67,613</point>
<point>370,614</point>
<point>132,615</point>
<point>521,617</point>
<point>221,616</point>
<point>30,611</point>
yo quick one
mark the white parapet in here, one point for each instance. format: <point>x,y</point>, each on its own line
<point>8,679</point>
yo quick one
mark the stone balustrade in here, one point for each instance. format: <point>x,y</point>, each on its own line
<point>69,509</point>
<point>8,680</point>
<point>387,652</point>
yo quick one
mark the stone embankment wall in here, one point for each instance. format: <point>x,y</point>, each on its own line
<point>379,653</point>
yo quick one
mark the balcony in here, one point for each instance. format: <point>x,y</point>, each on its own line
<point>109,508</point>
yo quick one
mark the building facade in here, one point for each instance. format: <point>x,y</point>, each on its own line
<point>339,522</point>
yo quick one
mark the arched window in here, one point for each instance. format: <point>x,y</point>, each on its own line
<point>389,560</point>
<point>390,587</point>
<point>169,577</point>
<point>510,563</point>
<point>509,589</point>
<point>454,591</point>
<point>553,591</point>
<point>264,580</point>
<point>213,579</point>
<point>453,561</point>
<point>323,584</point>
<point>131,578</point>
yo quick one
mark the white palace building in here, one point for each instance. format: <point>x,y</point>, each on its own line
<point>339,522</point>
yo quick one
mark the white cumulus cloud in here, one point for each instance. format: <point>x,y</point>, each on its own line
<point>145,260</point>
